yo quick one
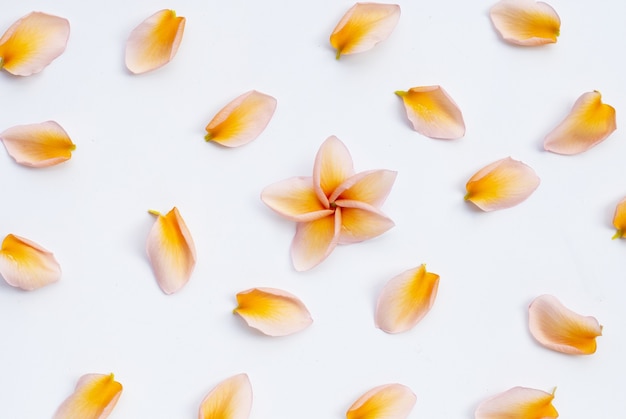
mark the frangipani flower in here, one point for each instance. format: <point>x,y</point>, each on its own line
<point>389,401</point>
<point>364,26</point>
<point>154,42</point>
<point>619,220</point>
<point>432,112</point>
<point>589,122</point>
<point>26,265</point>
<point>560,329</point>
<point>33,42</point>
<point>502,184</point>
<point>171,251</point>
<point>95,397</point>
<point>242,120</point>
<point>335,206</point>
<point>230,399</point>
<point>526,22</point>
<point>38,145</point>
<point>518,403</point>
<point>273,312</point>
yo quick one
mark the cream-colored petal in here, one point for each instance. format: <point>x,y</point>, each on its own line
<point>589,122</point>
<point>406,299</point>
<point>242,120</point>
<point>154,42</point>
<point>26,265</point>
<point>95,397</point>
<point>38,145</point>
<point>518,403</point>
<point>619,220</point>
<point>171,251</point>
<point>230,399</point>
<point>364,26</point>
<point>315,240</point>
<point>389,401</point>
<point>273,312</point>
<point>501,184</point>
<point>371,187</point>
<point>526,22</point>
<point>560,329</point>
<point>295,199</point>
<point>333,165</point>
<point>361,221</point>
<point>33,42</point>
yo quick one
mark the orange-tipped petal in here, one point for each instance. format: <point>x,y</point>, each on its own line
<point>518,403</point>
<point>619,220</point>
<point>295,199</point>
<point>558,328</point>
<point>315,240</point>
<point>333,165</point>
<point>273,312</point>
<point>371,187</point>
<point>526,22</point>
<point>364,26</point>
<point>230,399</point>
<point>589,122</point>
<point>171,251</point>
<point>360,221</point>
<point>38,145</point>
<point>33,42</point>
<point>389,401</point>
<point>406,299</point>
<point>154,42</point>
<point>95,397</point>
<point>502,184</point>
<point>242,120</point>
<point>26,265</point>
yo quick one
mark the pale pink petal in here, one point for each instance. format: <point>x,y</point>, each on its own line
<point>526,22</point>
<point>333,165</point>
<point>389,401</point>
<point>38,145</point>
<point>518,403</point>
<point>95,397</point>
<point>619,220</point>
<point>315,240</point>
<point>230,399</point>
<point>371,187</point>
<point>26,265</point>
<point>361,221</point>
<point>295,199</point>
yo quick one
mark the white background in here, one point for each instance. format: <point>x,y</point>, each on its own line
<point>140,146</point>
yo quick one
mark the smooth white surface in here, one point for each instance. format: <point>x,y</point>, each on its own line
<point>140,146</point>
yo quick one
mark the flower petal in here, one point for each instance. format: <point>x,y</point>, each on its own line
<point>502,184</point>
<point>560,329</point>
<point>230,399</point>
<point>518,403</point>
<point>26,265</point>
<point>95,397</point>
<point>33,42</point>
<point>360,221</point>
<point>526,22</point>
<point>589,122</point>
<point>154,42</point>
<point>295,199</point>
<point>389,401</point>
<point>242,120</point>
<point>273,312</point>
<point>171,251</point>
<point>333,165</point>
<point>315,240</point>
<point>406,299</point>
<point>364,26</point>
<point>38,145</point>
<point>371,187</point>
<point>619,220</point>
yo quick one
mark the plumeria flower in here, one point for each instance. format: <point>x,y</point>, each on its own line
<point>230,399</point>
<point>33,42</point>
<point>95,397</point>
<point>389,401</point>
<point>518,403</point>
<point>38,145</point>
<point>619,220</point>
<point>335,206</point>
<point>26,265</point>
<point>526,22</point>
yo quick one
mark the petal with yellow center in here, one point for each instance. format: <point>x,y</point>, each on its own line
<point>171,251</point>
<point>230,399</point>
<point>518,403</point>
<point>26,265</point>
<point>619,220</point>
<point>333,165</point>
<point>315,240</point>
<point>589,122</point>
<point>361,221</point>
<point>389,401</point>
<point>501,184</point>
<point>38,145</point>
<point>95,397</point>
<point>273,312</point>
<point>371,187</point>
<point>154,42</point>
<point>295,199</point>
<point>526,22</point>
<point>33,42</point>
<point>364,26</point>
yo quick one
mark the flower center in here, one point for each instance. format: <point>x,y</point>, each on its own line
<point>333,205</point>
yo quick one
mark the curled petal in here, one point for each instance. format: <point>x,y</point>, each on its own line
<point>295,199</point>
<point>26,265</point>
<point>242,120</point>
<point>518,403</point>
<point>230,399</point>
<point>560,329</point>
<point>433,113</point>
<point>333,165</point>
<point>619,220</point>
<point>95,397</point>
<point>502,184</point>
<point>360,221</point>
<point>273,312</point>
<point>371,187</point>
<point>38,145</point>
<point>364,26</point>
<point>154,42</point>
<point>526,22</point>
<point>389,401</point>
<point>406,299</point>
<point>315,240</point>
<point>589,122</point>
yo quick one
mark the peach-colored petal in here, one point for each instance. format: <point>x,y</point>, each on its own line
<point>154,42</point>
<point>33,42</point>
<point>333,165</point>
<point>95,397</point>
<point>389,401</point>
<point>295,199</point>
<point>26,265</point>
<point>518,403</point>
<point>315,240</point>
<point>230,399</point>
<point>242,120</point>
<point>360,221</point>
<point>619,220</point>
<point>273,312</point>
<point>364,26</point>
<point>171,251</point>
<point>526,22</point>
<point>38,145</point>
<point>501,184</point>
<point>589,122</point>
<point>371,187</point>
<point>558,328</point>
<point>406,299</point>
